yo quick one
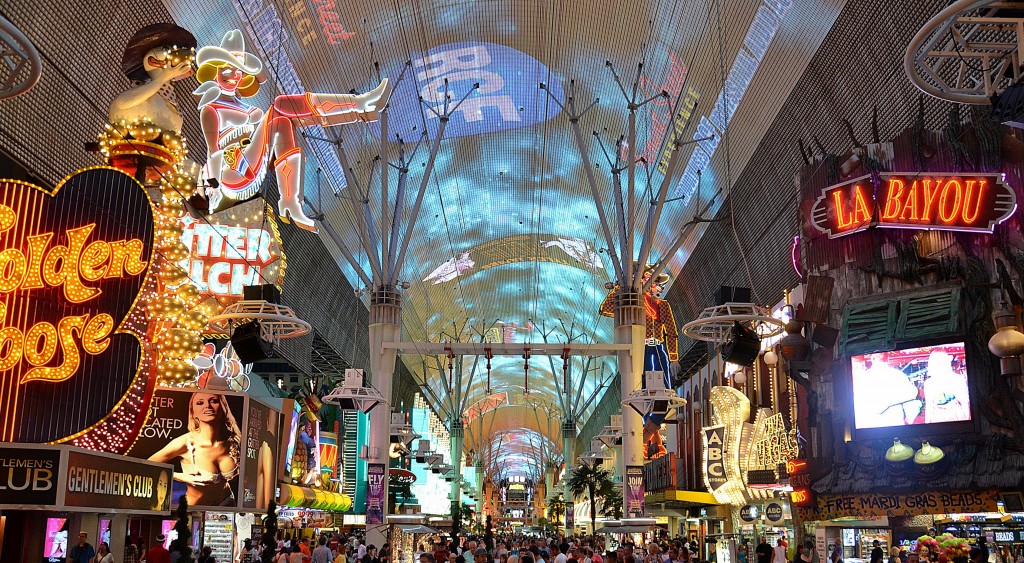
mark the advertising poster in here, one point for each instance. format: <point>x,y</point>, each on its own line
<point>30,475</point>
<point>104,535</point>
<point>102,482</point>
<point>170,534</point>
<point>634,491</point>
<point>199,433</point>
<point>570,516</point>
<point>260,479</point>
<point>911,386</point>
<point>292,410</point>
<point>376,475</point>
<point>55,546</point>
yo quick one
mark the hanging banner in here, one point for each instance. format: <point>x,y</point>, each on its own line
<point>376,474</point>
<point>570,516</point>
<point>714,457</point>
<point>74,264</point>
<point>634,491</point>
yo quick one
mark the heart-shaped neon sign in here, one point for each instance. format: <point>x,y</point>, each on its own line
<point>73,264</point>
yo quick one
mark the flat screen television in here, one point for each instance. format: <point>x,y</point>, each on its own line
<point>911,387</point>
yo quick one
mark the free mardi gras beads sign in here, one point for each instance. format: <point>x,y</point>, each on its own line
<point>73,262</point>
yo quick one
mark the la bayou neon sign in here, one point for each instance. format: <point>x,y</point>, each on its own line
<point>954,202</point>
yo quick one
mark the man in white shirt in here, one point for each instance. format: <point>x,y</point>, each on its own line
<point>559,556</point>
<point>779,552</point>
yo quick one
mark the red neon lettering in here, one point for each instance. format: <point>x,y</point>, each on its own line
<point>911,203</point>
<point>931,191</point>
<point>892,199</point>
<point>948,213</point>
<point>861,212</point>
<point>971,217</point>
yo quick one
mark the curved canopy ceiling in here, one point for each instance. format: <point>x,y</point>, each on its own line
<point>507,246</point>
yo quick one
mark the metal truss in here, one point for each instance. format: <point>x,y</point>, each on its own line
<point>969,51</point>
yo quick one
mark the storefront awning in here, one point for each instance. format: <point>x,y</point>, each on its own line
<point>416,529</point>
<point>627,529</point>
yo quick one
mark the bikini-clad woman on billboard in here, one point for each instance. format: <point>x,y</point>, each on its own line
<point>209,453</point>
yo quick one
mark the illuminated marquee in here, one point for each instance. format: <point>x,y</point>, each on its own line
<point>72,265</point>
<point>232,249</point>
<point>958,202</point>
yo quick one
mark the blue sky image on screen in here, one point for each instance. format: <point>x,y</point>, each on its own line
<point>911,386</point>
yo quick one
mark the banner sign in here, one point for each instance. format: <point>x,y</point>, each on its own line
<point>28,476</point>
<point>73,263</point>
<point>375,493</point>
<point>570,516</point>
<point>260,476</point>
<point>175,433</point>
<point>115,484</point>
<point>877,505</point>
<point>56,477</point>
<point>915,200</point>
<point>634,491</point>
<point>714,457</point>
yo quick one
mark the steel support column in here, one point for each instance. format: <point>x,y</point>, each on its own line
<point>631,329</point>
<point>456,433</point>
<point>385,326</point>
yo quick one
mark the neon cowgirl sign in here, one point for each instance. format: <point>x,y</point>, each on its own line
<point>955,202</point>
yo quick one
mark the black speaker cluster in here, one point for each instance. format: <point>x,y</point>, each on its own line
<point>248,344</point>
<point>743,347</point>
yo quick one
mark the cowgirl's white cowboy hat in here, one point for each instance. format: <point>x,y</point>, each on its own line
<point>231,51</point>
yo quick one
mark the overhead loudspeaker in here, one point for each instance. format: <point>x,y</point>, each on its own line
<point>730,294</point>
<point>264,292</point>
<point>743,347</point>
<point>248,344</point>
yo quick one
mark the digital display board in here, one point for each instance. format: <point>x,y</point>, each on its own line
<point>72,266</point>
<point>910,387</point>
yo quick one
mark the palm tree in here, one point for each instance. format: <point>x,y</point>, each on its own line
<point>556,508</point>
<point>611,504</point>
<point>594,481</point>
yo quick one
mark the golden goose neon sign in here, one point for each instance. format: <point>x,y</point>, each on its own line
<point>71,267</point>
<point>957,202</point>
